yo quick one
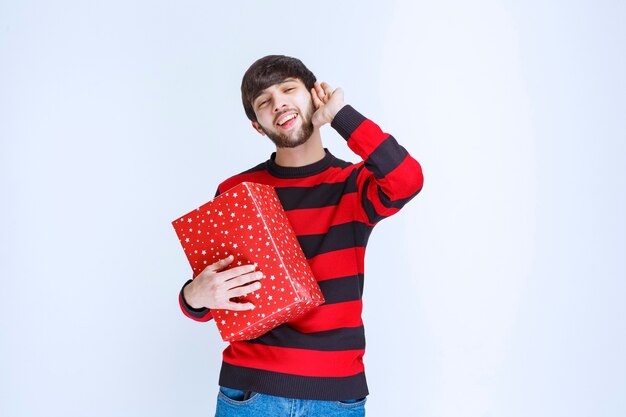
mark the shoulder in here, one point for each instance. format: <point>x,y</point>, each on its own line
<point>251,175</point>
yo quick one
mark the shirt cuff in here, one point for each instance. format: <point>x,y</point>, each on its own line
<point>346,121</point>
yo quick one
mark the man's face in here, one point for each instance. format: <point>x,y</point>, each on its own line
<point>284,113</point>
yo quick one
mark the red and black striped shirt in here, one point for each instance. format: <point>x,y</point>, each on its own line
<point>333,206</point>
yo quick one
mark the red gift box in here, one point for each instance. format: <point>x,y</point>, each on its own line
<point>248,222</point>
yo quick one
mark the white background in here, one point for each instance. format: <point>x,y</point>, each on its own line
<point>498,291</point>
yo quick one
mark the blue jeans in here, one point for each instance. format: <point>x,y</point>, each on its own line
<point>236,403</point>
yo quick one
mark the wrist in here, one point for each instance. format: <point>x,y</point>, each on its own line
<point>334,111</point>
<point>189,296</point>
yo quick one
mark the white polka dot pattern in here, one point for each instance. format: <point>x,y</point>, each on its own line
<point>248,222</point>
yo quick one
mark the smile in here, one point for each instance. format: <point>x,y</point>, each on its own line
<point>286,120</point>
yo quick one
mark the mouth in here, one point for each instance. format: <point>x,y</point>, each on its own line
<point>287,120</point>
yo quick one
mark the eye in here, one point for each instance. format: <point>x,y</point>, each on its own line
<point>262,103</point>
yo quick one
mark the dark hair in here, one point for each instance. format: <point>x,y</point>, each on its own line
<point>270,70</point>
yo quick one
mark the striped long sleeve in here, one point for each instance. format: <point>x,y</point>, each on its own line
<point>390,177</point>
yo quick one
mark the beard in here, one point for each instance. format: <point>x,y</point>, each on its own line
<point>297,138</point>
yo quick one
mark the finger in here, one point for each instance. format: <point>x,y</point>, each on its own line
<point>244,279</point>
<point>239,306</point>
<point>221,264</point>
<point>235,272</point>
<point>328,90</point>
<point>338,92</point>
<point>316,100</point>
<point>246,289</point>
<point>319,89</point>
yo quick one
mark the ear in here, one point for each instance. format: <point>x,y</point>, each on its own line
<point>258,128</point>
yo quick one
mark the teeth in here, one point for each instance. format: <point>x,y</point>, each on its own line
<point>282,121</point>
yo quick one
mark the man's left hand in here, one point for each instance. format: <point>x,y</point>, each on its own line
<point>327,102</point>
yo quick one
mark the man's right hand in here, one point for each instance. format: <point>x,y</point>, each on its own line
<point>214,287</point>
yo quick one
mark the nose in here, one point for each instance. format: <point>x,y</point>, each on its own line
<point>279,102</point>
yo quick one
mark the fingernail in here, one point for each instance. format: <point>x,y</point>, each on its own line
<point>259,274</point>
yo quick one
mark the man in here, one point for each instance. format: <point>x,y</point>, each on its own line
<point>311,365</point>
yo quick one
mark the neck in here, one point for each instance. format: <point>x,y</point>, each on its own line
<point>308,153</point>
